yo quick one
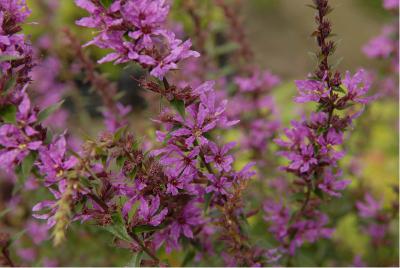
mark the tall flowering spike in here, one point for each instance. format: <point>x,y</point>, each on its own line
<point>312,145</point>
<point>135,30</point>
<point>385,47</point>
<point>13,47</point>
<point>256,107</point>
<point>18,140</point>
<point>184,176</point>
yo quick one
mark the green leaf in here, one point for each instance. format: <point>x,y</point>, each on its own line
<point>9,86</point>
<point>118,231</point>
<point>120,161</point>
<point>106,3</point>
<point>136,259</point>
<point>207,198</point>
<point>44,114</point>
<point>179,105</point>
<point>17,236</point>
<point>225,49</point>
<point>4,212</point>
<point>145,228</point>
<point>27,164</point>
<point>120,133</point>
<point>297,196</point>
<point>8,114</point>
<point>340,89</point>
<point>118,228</point>
<point>188,258</point>
<point>23,171</point>
<point>9,58</point>
<point>318,193</point>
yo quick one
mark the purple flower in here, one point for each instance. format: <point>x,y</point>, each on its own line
<point>148,211</point>
<point>178,51</point>
<point>177,182</point>
<point>37,232</point>
<point>358,86</point>
<point>377,231</point>
<point>17,144</point>
<point>195,125</point>
<point>215,108</point>
<point>183,224</point>
<point>380,46</point>
<point>164,236</point>
<point>311,90</point>
<point>136,31</point>
<point>327,142</point>
<point>303,160</point>
<point>12,43</point>
<point>331,185</point>
<point>310,230</point>
<point>369,208</point>
<point>114,120</point>
<point>27,254</point>
<point>391,4</point>
<point>219,184</point>
<point>246,172</point>
<point>16,9</point>
<point>219,157</point>
<point>357,261</point>
<point>148,16</point>
<point>260,131</point>
<point>278,216</point>
<point>296,135</point>
<point>53,161</point>
<point>257,82</point>
<point>185,164</point>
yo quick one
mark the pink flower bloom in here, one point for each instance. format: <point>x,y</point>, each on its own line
<point>219,185</point>
<point>369,208</point>
<point>195,125</point>
<point>332,185</point>
<point>219,156</point>
<point>37,232</point>
<point>311,90</point>
<point>53,161</point>
<point>149,213</point>
<point>391,4</point>
<point>358,86</point>
<point>189,218</point>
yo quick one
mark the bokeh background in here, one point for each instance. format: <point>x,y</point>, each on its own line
<point>279,34</point>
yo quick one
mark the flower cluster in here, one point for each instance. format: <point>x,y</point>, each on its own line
<point>184,187</point>
<point>312,145</point>
<point>254,105</point>
<point>136,32</point>
<point>164,190</point>
<point>16,53</point>
<point>378,226</point>
<point>385,46</point>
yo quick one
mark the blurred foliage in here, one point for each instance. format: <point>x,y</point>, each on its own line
<point>88,246</point>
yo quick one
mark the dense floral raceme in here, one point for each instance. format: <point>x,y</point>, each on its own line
<point>312,145</point>
<point>175,148</point>
<point>149,42</point>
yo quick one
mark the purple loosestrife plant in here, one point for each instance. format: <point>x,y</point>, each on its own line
<point>385,46</point>
<point>184,192</point>
<point>312,145</point>
<point>257,110</point>
<point>188,144</point>
<point>15,52</point>
<point>376,221</point>
<point>23,137</point>
<point>136,32</point>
